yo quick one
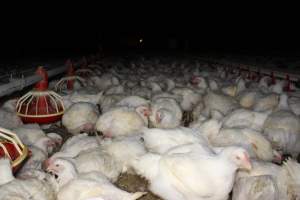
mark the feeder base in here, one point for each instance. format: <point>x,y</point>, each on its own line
<point>41,120</point>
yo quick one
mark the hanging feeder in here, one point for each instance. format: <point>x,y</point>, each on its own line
<point>84,70</point>
<point>70,79</point>
<point>40,105</point>
<point>12,148</point>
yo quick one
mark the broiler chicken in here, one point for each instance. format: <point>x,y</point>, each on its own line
<point>11,188</point>
<point>189,172</point>
<point>80,117</point>
<point>120,121</point>
<point>86,185</point>
<point>165,113</point>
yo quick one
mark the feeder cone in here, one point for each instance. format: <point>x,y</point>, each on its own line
<point>12,148</point>
<point>40,105</point>
<point>288,85</point>
<point>70,73</point>
<point>43,84</point>
<point>273,78</point>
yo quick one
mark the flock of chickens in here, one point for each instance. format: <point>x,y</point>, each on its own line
<point>193,130</point>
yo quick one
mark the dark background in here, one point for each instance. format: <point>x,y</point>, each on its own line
<point>236,32</point>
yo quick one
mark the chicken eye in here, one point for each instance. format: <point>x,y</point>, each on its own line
<point>57,165</point>
<point>238,158</point>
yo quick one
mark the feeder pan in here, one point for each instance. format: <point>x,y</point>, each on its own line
<point>40,105</point>
<point>85,72</point>
<point>70,79</point>
<point>12,148</point>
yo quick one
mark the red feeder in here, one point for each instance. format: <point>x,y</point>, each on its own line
<point>40,105</point>
<point>70,72</point>
<point>12,148</point>
<point>273,78</point>
<point>69,79</point>
<point>288,86</point>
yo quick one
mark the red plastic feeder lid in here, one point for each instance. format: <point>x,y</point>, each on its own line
<point>40,105</point>
<point>12,148</point>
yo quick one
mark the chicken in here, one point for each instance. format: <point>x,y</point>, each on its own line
<point>133,101</point>
<point>97,160</point>
<point>243,118</point>
<point>109,101</point>
<point>265,103</point>
<point>279,174</point>
<point>115,89</point>
<point>208,128</point>
<point>293,169</point>
<point>294,104</point>
<point>124,150</point>
<point>56,138</point>
<point>165,113</point>
<point>247,98</point>
<point>86,185</point>
<point>256,144</point>
<point>36,159</point>
<point>161,140</point>
<point>189,98</point>
<point>120,121</point>
<point>11,188</point>
<point>199,82</point>
<point>282,128</point>
<point>77,97</point>
<point>105,81</point>
<point>222,103</point>
<point>186,173</point>
<point>255,188</point>
<point>76,144</point>
<point>80,117</point>
<point>34,136</point>
<point>8,115</point>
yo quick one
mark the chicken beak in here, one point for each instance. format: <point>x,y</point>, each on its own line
<point>45,164</point>
<point>246,163</point>
<point>51,143</point>
<point>277,157</point>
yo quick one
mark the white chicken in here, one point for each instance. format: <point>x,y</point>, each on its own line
<point>285,177</point>
<point>190,172</point>
<point>17,189</point>
<point>256,144</point>
<point>255,188</point>
<point>76,144</point>
<point>8,115</point>
<point>219,102</point>
<point>243,118</point>
<point>265,103</point>
<point>161,140</point>
<point>120,121</point>
<point>208,128</point>
<point>165,113</point>
<point>124,150</point>
<point>189,98</point>
<point>34,136</point>
<point>87,185</point>
<point>294,104</point>
<point>282,128</point>
<point>80,117</point>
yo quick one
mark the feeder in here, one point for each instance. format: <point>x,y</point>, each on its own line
<point>12,148</point>
<point>84,71</point>
<point>40,105</point>
<point>273,78</point>
<point>288,86</point>
<point>69,79</point>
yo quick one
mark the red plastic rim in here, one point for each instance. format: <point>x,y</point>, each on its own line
<point>14,154</point>
<point>41,119</point>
